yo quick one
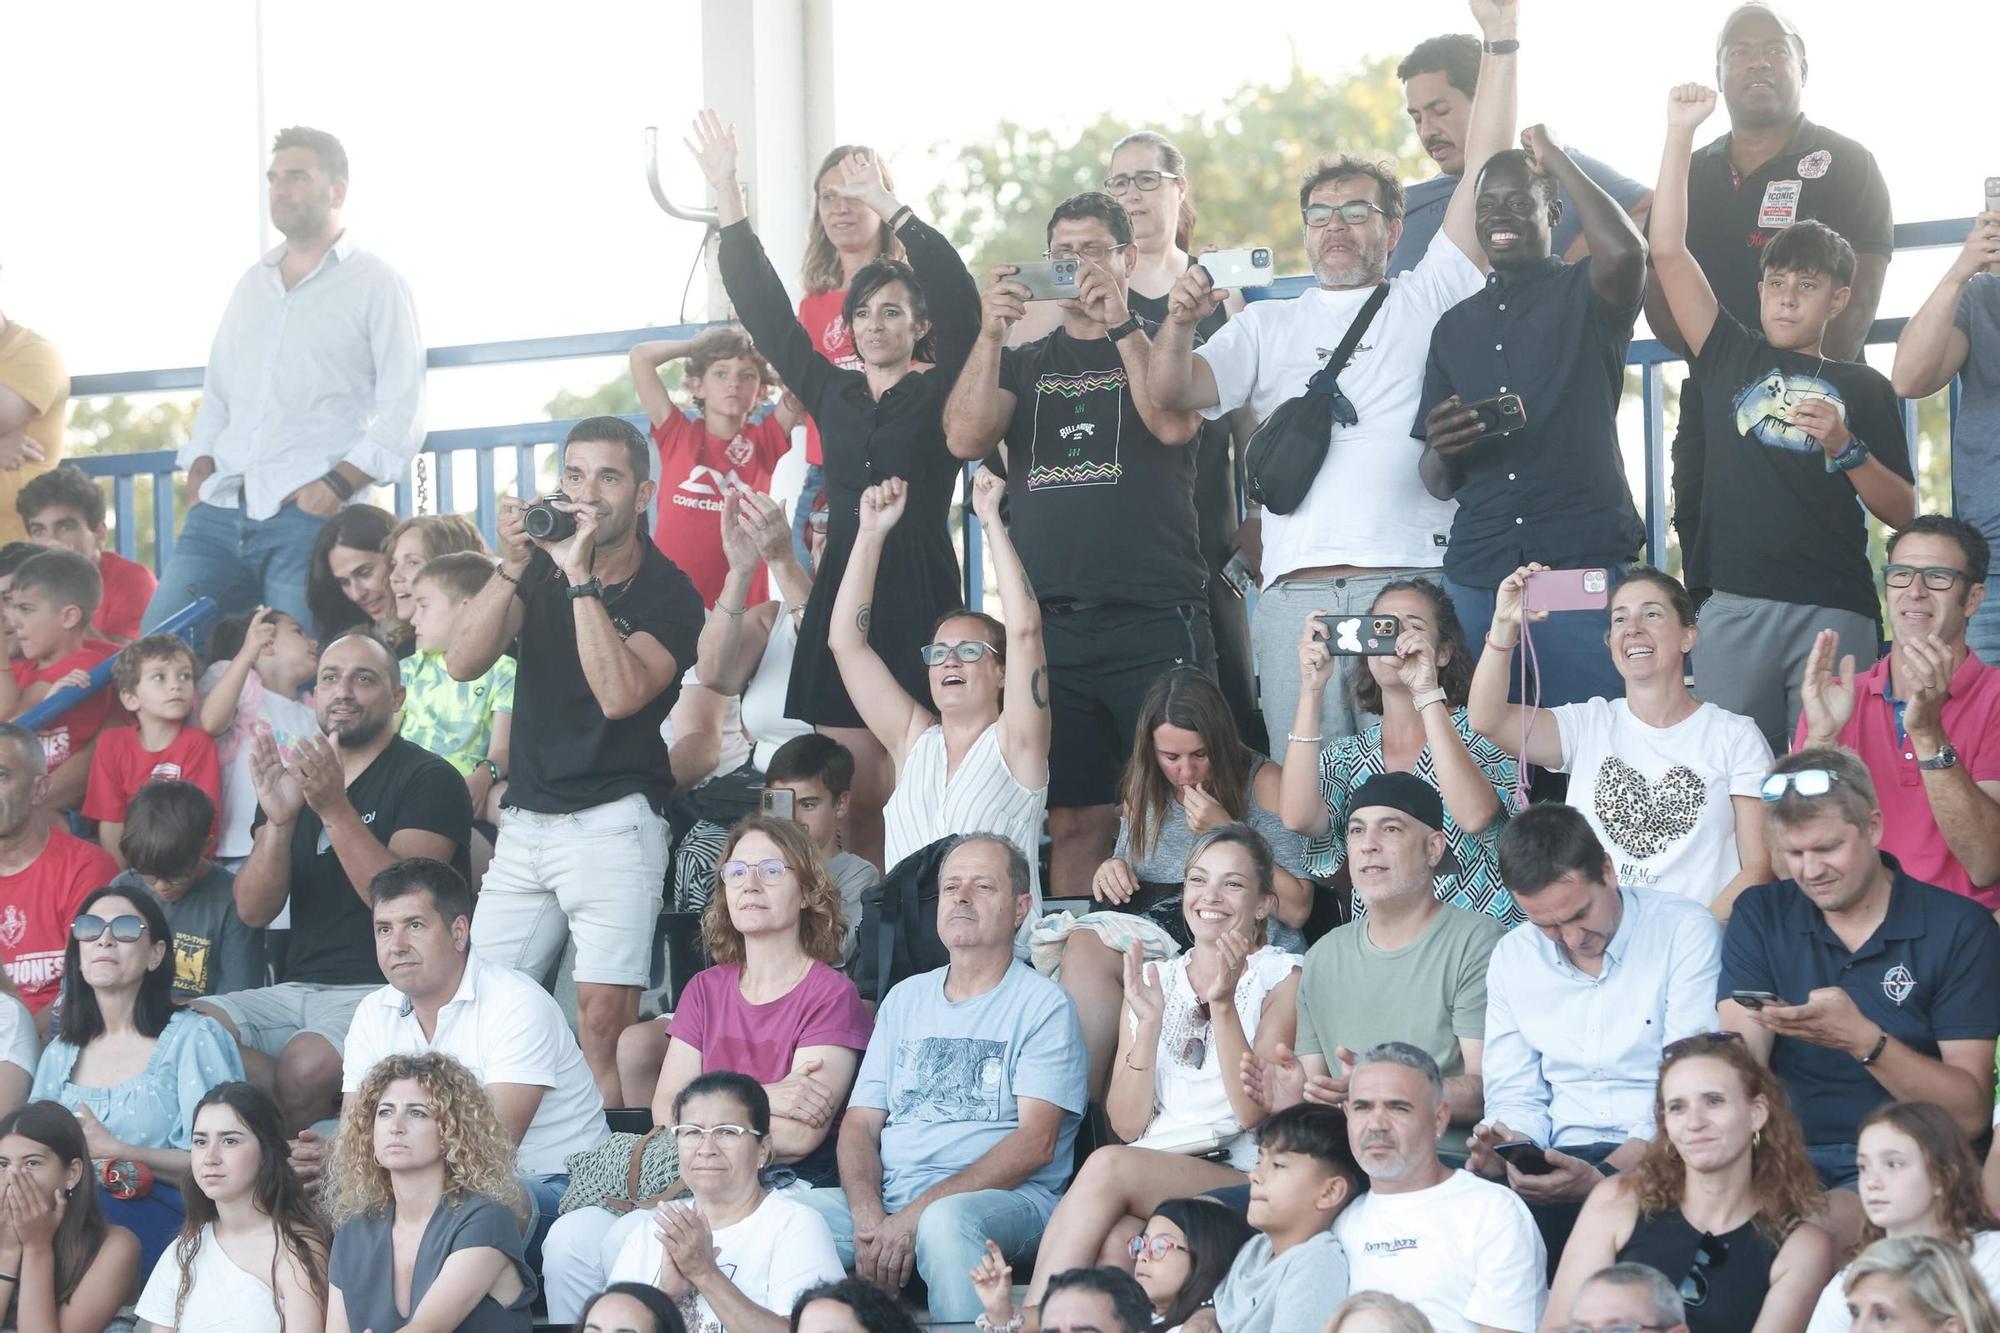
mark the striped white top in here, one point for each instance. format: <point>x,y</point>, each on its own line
<point>983,796</point>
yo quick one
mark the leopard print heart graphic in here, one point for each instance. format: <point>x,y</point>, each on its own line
<point>1644,818</point>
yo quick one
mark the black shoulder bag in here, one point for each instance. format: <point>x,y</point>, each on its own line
<point>1286,453</point>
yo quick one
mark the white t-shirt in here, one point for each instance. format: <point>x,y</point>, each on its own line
<point>1367,506</point>
<point>223,1299</point>
<point>773,1256</point>
<point>1830,1314</point>
<point>505,1029</point>
<point>1659,797</point>
<point>1189,1097</point>
<point>1464,1252</point>
<point>20,1044</point>
<point>735,751</point>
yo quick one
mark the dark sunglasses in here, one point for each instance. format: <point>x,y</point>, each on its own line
<point>90,927</point>
<point>1710,1252</point>
<point>1195,1049</point>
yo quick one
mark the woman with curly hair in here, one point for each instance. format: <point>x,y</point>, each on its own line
<point>772,1007</point>
<point>1918,1178</point>
<point>851,1305</point>
<point>1718,1203</point>
<point>62,1266</point>
<point>1918,1282</point>
<point>252,1257</point>
<point>426,1209</point>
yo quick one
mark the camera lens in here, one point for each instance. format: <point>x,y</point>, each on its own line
<point>1260,259</point>
<point>545,522</point>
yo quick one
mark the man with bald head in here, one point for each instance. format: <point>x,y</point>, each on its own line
<point>333,812</point>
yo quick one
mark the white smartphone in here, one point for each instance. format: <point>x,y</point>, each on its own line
<point>1049,279</point>
<point>1231,270</point>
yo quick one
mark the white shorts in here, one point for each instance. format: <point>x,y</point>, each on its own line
<point>268,1017</point>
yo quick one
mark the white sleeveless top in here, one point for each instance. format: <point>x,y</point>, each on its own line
<point>983,796</point>
<point>764,697</point>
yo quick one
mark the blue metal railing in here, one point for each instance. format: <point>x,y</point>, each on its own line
<point>188,622</point>
<point>484,442</point>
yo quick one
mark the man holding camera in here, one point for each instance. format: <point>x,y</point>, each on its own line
<point>606,624</point>
<point>1519,415</point>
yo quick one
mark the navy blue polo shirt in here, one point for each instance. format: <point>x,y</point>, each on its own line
<point>1555,490</point>
<point>1930,973</point>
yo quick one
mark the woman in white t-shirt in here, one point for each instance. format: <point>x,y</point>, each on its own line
<point>1177,1081</point>
<point>20,1047</point>
<point>739,1256</point>
<point>1670,784</point>
<point>1918,1178</point>
<point>252,1257</point>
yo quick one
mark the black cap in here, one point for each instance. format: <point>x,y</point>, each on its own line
<point>1758,9</point>
<point>1401,791</point>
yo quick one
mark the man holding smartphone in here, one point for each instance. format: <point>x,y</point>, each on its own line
<point>1550,338</point>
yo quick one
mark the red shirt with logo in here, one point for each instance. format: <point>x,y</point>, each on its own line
<point>696,470</point>
<point>820,316</point>
<point>123,764</point>
<point>37,906</point>
<point>74,729</point>
<point>128,587</point>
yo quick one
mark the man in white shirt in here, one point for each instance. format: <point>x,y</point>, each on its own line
<point>1579,1003</point>
<point>493,1020</point>
<point>1461,1249</point>
<point>1367,520</point>
<point>314,391</point>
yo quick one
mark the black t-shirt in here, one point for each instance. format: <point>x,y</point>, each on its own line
<point>1099,510</point>
<point>566,755</point>
<point>333,935</point>
<point>1776,523</point>
<point>1215,465</point>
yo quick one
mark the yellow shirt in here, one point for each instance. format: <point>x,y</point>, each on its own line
<point>31,367</point>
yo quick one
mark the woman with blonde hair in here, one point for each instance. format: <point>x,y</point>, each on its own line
<point>773,1007</point>
<point>418,540</point>
<point>1377,1312</point>
<point>1918,1282</point>
<point>426,1208</point>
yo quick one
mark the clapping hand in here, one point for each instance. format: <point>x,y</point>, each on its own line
<point>1688,105</point>
<point>277,787</point>
<point>1144,995</point>
<point>316,766</point>
<point>1828,699</point>
<point>1232,956</point>
<point>765,520</point>
<point>1923,674</point>
<point>1276,1083</point>
<point>685,1239</point>
<point>714,149</point>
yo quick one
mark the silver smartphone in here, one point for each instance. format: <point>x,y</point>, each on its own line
<point>1049,279</point>
<point>1234,269</point>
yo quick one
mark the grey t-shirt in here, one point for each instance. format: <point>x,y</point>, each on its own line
<point>1299,1289</point>
<point>853,876</point>
<point>362,1265</point>
<point>1975,441</point>
<point>214,952</point>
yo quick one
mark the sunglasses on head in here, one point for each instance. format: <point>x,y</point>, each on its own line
<point>90,927</point>
<point>1806,782</point>
<point>937,654</point>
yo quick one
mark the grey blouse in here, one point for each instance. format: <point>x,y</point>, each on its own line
<point>362,1265</point>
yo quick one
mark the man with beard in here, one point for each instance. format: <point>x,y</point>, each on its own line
<point>333,812</point>
<point>314,391</point>
<point>606,625</point>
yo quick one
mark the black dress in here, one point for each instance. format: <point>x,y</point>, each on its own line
<point>1722,1279</point>
<point>865,441</point>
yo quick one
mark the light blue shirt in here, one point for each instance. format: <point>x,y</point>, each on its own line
<point>155,1107</point>
<point>1573,1059</point>
<point>949,1076</point>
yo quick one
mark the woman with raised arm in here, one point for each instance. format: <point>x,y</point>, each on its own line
<point>980,762</point>
<point>882,421</point>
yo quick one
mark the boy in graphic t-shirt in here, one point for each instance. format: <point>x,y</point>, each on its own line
<point>1794,439</point>
<point>48,617</point>
<point>154,679</point>
<point>701,459</point>
<point>166,830</point>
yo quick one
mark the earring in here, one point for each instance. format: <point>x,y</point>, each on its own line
<point>1756,1139</point>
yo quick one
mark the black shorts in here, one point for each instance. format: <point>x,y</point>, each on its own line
<point>1102,660</point>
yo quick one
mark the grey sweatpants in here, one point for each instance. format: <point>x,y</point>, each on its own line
<point>1751,657</point>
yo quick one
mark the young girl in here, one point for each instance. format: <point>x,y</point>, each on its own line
<point>62,1266</point>
<point>252,1257</point>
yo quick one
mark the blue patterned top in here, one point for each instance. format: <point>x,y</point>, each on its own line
<point>1476,886</point>
<point>155,1107</point>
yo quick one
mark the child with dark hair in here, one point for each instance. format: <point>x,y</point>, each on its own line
<point>54,595</point>
<point>467,723</point>
<point>12,556</point>
<point>65,508</point>
<point>162,846</point>
<point>154,679</point>
<point>259,661</point>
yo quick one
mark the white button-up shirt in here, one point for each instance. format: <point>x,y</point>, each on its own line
<point>329,372</point>
<point>1573,1059</point>
<point>506,1029</point>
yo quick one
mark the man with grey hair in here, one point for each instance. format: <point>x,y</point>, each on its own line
<point>1461,1249</point>
<point>1627,1297</point>
<point>45,874</point>
<point>963,1117</point>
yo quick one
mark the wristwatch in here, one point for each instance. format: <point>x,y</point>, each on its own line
<point>591,587</point>
<point>1506,46</point>
<point>492,768</point>
<point>1946,757</point>
<point>1124,330</point>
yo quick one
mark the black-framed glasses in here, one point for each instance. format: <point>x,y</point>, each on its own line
<point>1699,1044</point>
<point>126,928</point>
<point>1095,251</point>
<point>691,1137</point>
<point>1804,781</point>
<point>1710,1252</point>
<point>1938,578</point>
<point>1194,1051</point>
<point>770,870</point>
<point>968,652</point>
<point>1155,1248</point>
<point>1354,212</point>
<point>1145,180</point>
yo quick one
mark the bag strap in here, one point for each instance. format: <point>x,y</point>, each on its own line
<point>638,1162</point>
<point>1323,378</point>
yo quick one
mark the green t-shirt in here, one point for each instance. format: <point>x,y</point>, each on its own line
<point>1429,993</point>
<point>453,719</point>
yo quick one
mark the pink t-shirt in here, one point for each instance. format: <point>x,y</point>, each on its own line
<point>824,1009</point>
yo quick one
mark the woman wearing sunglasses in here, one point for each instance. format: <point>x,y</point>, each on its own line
<point>772,1008</point>
<point>971,751</point>
<point>1718,1203</point>
<point>734,1255</point>
<point>130,1065</point>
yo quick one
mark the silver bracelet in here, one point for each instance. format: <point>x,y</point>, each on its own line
<point>1301,740</point>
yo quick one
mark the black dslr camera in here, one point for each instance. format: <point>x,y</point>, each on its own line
<point>546,522</point>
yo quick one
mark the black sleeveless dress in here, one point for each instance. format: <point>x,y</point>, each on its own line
<point>1722,1279</point>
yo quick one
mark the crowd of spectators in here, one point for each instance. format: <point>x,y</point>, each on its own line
<point>1335,1028</point>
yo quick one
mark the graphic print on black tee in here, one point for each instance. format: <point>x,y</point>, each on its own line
<point>1764,409</point>
<point>1078,419</point>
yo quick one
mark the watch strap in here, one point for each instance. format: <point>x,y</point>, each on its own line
<point>1881,1044</point>
<point>1118,332</point>
<point>1946,757</point>
<point>592,587</point>
<point>1506,46</point>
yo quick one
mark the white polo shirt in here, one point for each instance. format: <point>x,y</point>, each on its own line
<point>505,1029</point>
<point>1367,507</point>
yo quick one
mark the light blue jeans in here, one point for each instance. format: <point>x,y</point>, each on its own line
<point>240,562</point>
<point>951,1240</point>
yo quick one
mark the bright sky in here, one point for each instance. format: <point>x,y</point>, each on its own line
<point>497,145</point>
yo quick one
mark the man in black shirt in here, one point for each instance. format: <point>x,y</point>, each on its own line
<point>1555,335</point>
<point>606,626</point>
<point>1100,492</point>
<point>1772,169</point>
<point>332,812</point>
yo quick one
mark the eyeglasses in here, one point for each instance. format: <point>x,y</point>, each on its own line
<point>937,654</point>
<point>1145,180</point>
<point>90,927</point>
<point>1711,1252</point>
<point>1155,1248</point>
<point>1806,782</point>
<point>691,1137</point>
<point>1699,1044</point>
<point>1938,578</point>
<point>769,871</point>
<point>1354,212</point>
<point>1096,252</point>
<point>1194,1051</point>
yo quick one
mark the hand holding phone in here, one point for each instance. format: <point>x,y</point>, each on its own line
<point>1567,590</point>
<point>1755,999</point>
<point>1050,279</point>
<point>1358,636</point>
<point>778,802</point>
<point>1239,268</point>
<point>1524,1157</point>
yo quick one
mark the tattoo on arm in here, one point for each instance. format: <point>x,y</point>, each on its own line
<point>861,617</point>
<point>1038,687</point>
